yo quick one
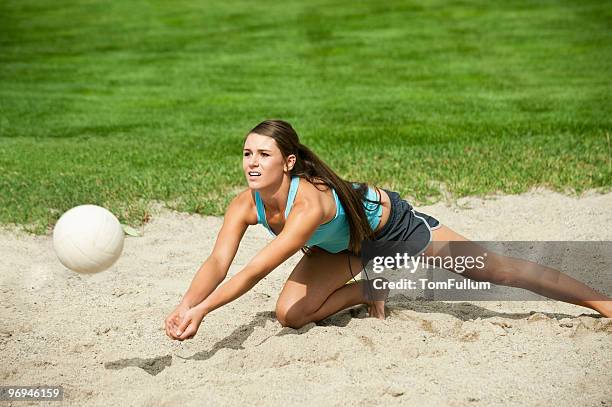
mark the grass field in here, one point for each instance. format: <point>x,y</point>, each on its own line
<point>125,103</point>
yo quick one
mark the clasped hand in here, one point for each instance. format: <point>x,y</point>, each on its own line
<point>183,322</point>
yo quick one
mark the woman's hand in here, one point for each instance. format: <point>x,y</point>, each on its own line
<point>174,320</point>
<point>190,323</point>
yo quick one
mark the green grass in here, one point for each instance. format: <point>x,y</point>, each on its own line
<point>125,103</point>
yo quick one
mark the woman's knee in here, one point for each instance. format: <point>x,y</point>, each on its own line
<point>502,270</point>
<point>291,315</point>
<point>289,322</point>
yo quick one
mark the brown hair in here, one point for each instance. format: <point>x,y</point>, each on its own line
<point>312,168</point>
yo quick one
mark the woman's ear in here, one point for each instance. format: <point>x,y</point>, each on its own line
<point>290,162</point>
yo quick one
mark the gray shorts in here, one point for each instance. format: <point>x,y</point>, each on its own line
<point>407,225</point>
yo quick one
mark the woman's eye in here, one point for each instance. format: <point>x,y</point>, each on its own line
<point>265,154</point>
<point>246,154</point>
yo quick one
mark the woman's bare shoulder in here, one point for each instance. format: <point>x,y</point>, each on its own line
<point>313,188</point>
<point>243,205</point>
<point>316,194</point>
<point>314,185</point>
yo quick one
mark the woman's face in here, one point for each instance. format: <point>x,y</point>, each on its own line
<point>262,161</point>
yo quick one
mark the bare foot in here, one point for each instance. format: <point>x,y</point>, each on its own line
<point>376,308</point>
<point>603,307</point>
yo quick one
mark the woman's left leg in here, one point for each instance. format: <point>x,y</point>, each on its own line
<point>521,273</point>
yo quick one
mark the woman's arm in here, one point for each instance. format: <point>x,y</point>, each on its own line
<point>301,224</point>
<point>214,269</point>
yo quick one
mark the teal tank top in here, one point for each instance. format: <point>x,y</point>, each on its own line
<point>334,235</point>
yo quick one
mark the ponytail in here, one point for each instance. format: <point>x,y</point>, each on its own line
<point>350,194</point>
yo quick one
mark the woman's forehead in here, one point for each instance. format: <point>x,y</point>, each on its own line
<point>259,142</point>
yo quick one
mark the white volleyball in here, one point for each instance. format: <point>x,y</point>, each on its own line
<point>88,239</point>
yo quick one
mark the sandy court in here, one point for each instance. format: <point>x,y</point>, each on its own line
<point>101,336</point>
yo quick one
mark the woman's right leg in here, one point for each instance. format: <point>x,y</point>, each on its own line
<point>510,271</point>
<point>317,289</point>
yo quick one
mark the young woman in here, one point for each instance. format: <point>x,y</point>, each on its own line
<point>307,206</point>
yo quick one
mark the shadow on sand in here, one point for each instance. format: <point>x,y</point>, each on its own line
<point>235,340</point>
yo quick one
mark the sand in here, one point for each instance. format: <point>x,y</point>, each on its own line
<point>101,336</point>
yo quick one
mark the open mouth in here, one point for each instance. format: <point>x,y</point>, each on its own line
<point>254,174</point>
